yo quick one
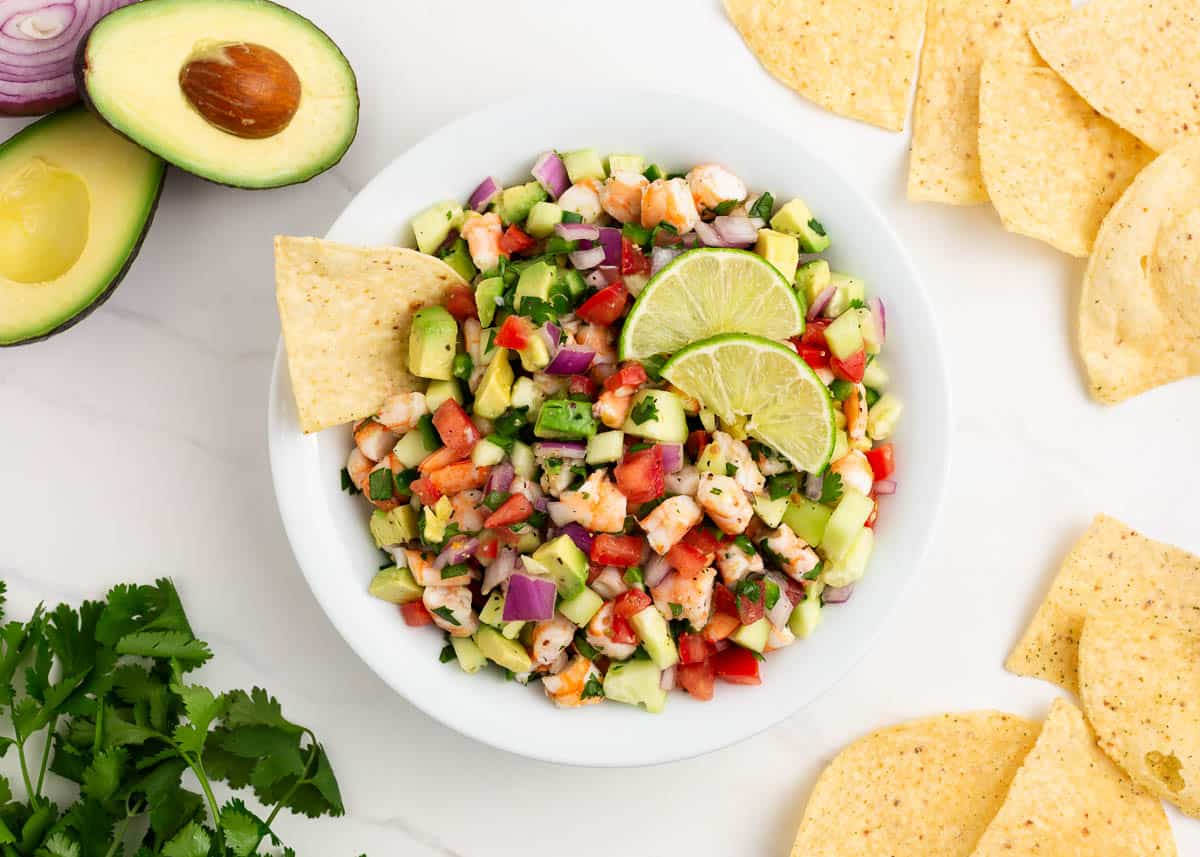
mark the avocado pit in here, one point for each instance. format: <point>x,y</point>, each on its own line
<point>244,89</point>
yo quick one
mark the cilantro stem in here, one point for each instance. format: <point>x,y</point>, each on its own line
<point>25,770</point>
<point>46,754</point>
<point>197,767</point>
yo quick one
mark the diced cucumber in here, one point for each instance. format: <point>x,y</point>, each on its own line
<point>626,164</point>
<point>636,683</point>
<point>753,637</point>
<point>583,164</point>
<point>522,460</point>
<point>515,203</point>
<point>882,419</point>
<point>525,394</point>
<point>770,511</point>
<point>846,290</point>
<point>841,441</point>
<point>543,217</point>
<point>657,415</point>
<point>853,565</point>
<point>486,454</point>
<point>605,447</point>
<point>574,282</point>
<point>433,225</point>
<point>845,523</point>
<point>807,615</point>
<point>469,656</point>
<point>395,586</point>
<point>868,326</point>
<point>413,448</point>
<point>844,336</point>
<point>875,375</point>
<point>439,392</point>
<point>493,610</point>
<point>808,520</point>
<point>655,634</point>
<point>582,607</point>
<point>812,278</point>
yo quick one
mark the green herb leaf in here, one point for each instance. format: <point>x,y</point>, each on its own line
<point>763,206</point>
<point>348,483</point>
<point>747,546</point>
<point>593,688</point>
<point>725,206</point>
<point>447,654</point>
<point>380,485</point>
<point>782,485</point>
<point>446,614</point>
<point>676,610</point>
<point>644,411</point>
<point>831,487</point>
<point>242,829</point>
<point>462,366</point>
<point>815,226</point>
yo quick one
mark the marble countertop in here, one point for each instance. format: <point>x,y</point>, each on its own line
<point>134,446</point>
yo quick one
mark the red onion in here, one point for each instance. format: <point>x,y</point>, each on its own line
<point>501,478</point>
<point>603,276</point>
<point>837,594</point>
<point>821,302</point>
<point>660,257</point>
<point>528,599</point>
<point>552,333</point>
<point>667,680</point>
<point>655,570</point>
<point>577,231</point>
<point>571,360</point>
<point>483,195</point>
<point>500,570</point>
<point>814,486</point>
<point>560,513</point>
<point>885,486</point>
<point>584,260</point>
<point>610,240</point>
<point>689,240</point>
<point>540,503</point>
<point>877,310</point>
<point>609,583</point>
<point>672,457</point>
<point>460,549</point>
<point>582,538</point>
<point>737,230</point>
<point>560,449</point>
<point>710,237</point>
<point>551,174</point>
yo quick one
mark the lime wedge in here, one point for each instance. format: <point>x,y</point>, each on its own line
<point>737,375</point>
<point>709,291</point>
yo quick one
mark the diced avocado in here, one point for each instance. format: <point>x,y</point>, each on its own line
<point>605,447</point>
<point>845,523</point>
<point>843,336</point>
<point>432,226</point>
<point>516,202</point>
<point>574,282</point>
<point>847,289</point>
<point>470,658</point>
<point>494,393</point>
<point>394,585</point>
<point>394,526</point>
<point>523,461</point>
<point>711,460</point>
<point>486,294</point>
<point>841,443</point>
<point>493,610</point>
<point>882,419</point>
<point>431,343</point>
<point>413,448</point>
<point>807,615</point>
<point>583,164</point>
<point>626,164</point>
<point>869,327</point>
<point>507,653</point>
<point>753,637</point>
<point>636,683</point>
<point>781,250</point>
<point>543,217</point>
<point>536,354</point>
<point>770,511</point>
<point>657,415</point>
<point>535,282</point>
<point>459,258</point>
<point>875,375</point>
<point>655,634</point>
<point>528,540</point>
<point>565,419</point>
<point>486,454</point>
<point>808,520</point>
<point>567,564</point>
<point>853,565</point>
<point>812,278</point>
<point>582,607</point>
<point>440,392</point>
<point>525,394</point>
<point>435,519</point>
<point>795,218</point>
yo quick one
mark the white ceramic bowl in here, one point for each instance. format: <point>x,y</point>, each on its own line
<point>327,528</point>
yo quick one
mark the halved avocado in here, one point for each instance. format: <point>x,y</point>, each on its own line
<point>241,92</point>
<point>76,200</point>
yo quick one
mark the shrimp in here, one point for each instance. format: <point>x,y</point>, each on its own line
<point>612,407</point>
<point>556,479</point>
<point>400,412</point>
<point>599,635</point>
<point>462,476</point>
<point>609,583</point>
<point>669,201</point>
<point>855,471</point>
<point>421,566</point>
<point>770,465</point>
<point>359,468</point>
<point>529,490</point>
<point>373,439</point>
<point>473,339</point>
<point>550,639</point>
<point>621,196</point>
<point>669,522</point>
<point>779,638</point>
<point>683,481</point>
<point>734,563</point>
<point>855,409</point>
<point>597,505</point>
<point>466,511</point>
<point>482,233</point>
<point>451,609</point>
<point>565,689</point>
<point>798,558</point>
<point>583,198</point>
<point>734,452</point>
<point>600,340</point>
<point>712,185</point>
<point>677,596</point>
<point>725,502</point>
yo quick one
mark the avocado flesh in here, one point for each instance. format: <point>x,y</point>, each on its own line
<point>75,201</point>
<point>129,72</point>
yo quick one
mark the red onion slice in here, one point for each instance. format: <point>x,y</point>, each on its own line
<point>610,240</point>
<point>552,334</point>
<point>582,538</point>
<point>885,487</point>
<point>667,680</point>
<point>814,486</point>
<point>460,549</point>
<point>672,457</point>
<point>821,302</point>
<point>528,599</point>
<point>837,594</point>
<point>584,260</point>
<point>571,360</point>
<point>571,449</point>
<point>689,240</point>
<point>500,570</point>
<point>577,231</point>
<point>736,230</point>
<point>710,237</point>
<point>501,478</point>
<point>551,174</point>
<point>660,257</point>
<point>483,195</point>
<point>655,570</point>
<point>880,313</point>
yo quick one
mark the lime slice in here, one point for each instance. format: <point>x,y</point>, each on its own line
<point>709,291</point>
<point>737,375</point>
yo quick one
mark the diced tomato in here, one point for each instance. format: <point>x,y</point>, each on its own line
<point>640,475</point>
<point>622,631</point>
<point>883,461</point>
<point>440,458</point>
<point>488,548</point>
<point>604,307</point>
<point>463,476</point>
<point>629,604</point>
<point>736,665</point>
<point>692,649</point>
<point>460,302</point>
<point>512,511</point>
<point>852,368</point>
<point>629,375</point>
<point>702,540</point>
<point>622,551</point>
<point>514,240</point>
<point>454,427</point>
<point>696,441</point>
<point>817,358</point>
<point>415,614</point>
<point>581,385</point>
<point>697,679</point>
<point>720,626</point>
<point>750,608</point>
<point>514,333</point>
<point>811,345</point>
<point>425,491</point>
<point>814,333</point>
<point>633,260</point>
<point>723,601</point>
<point>687,560</point>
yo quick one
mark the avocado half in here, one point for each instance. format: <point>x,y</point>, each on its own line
<point>76,200</point>
<point>131,71</point>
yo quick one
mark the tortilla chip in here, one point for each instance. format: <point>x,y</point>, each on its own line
<point>928,787</point>
<point>959,35</point>
<point>1139,314</point>
<point>1139,681</point>
<point>1136,61</point>
<point>1052,165</point>
<point>1111,568</point>
<point>854,57</point>
<point>1069,799</point>
<point>346,313</point>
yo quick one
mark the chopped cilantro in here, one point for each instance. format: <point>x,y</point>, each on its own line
<point>763,206</point>
<point>872,397</point>
<point>715,491</point>
<point>814,572</point>
<point>815,226</point>
<point>758,656</point>
<point>456,570</point>
<point>405,479</point>
<point>348,483</point>
<point>783,485</point>
<point>495,499</point>
<point>771,598</point>
<point>746,546</point>
<point>650,505</point>
<point>584,647</point>
<point>831,487</point>
<point>731,469</point>
<point>749,591</point>
<point>537,520</point>
<point>654,364</point>
<point>637,234</point>
<point>644,411</point>
<point>509,423</point>
<point>447,654</point>
<point>505,443</point>
<point>445,613</point>
<point>537,309</point>
<point>726,206</point>
<point>428,433</point>
<point>571,217</point>
<point>593,688</point>
<point>857,303</point>
<point>556,245</point>
<point>676,610</point>
<point>380,484</point>
<point>633,576</point>
<point>638,447</point>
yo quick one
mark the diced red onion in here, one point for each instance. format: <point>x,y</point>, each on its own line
<point>655,570</point>
<point>609,583</point>
<point>560,449</point>
<point>552,334</point>
<point>885,486</point>
<point>610,240</point>
<point>551,174</point>
<point>528,599</point>
<point>814,486</point>
<point>782,611</point>
<point>500,570</point>
<point>540,503</point>
<point>660,257</point>
<point>584,260</point>
<point>571,360</point>
<point>500,479</point>
<point>877,310</point>
<point>582,538</point>
<point>560,513</point>
<point>667,680</point>
<point>483,195</point>
<point>460,549</point>
<point>837,594</point>
<point>577,231</point>
<point>821,302</point>
<point>710,237</point>
<point>736,230</point>
<point>672,457</point>
<point>689,240</point>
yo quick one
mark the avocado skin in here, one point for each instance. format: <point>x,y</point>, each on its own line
<point>81,86</point>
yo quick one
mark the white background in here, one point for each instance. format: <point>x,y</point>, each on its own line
<point>134,446</point>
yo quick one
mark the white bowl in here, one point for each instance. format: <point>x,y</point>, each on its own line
<point>327,528</point>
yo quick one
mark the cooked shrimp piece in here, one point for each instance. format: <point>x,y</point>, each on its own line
<point>669,522</point>
<point>769,465</point>
<point>855,471</point>
<point>462,476</point>
<point>734,563</point>
<point>555,480</point>
<point>451,609</point>
<point>621,196</point>
<point>609,583</point>
<point>565,689</point>
<point>597,505</point>
<point>712,185</point>
<point>686,480</point>
<point>779,638</point>
<point>669,201</point>
<point>735,452</point>
<point>473,339</point>
<point>855,408</point>
<point>401,411</point>
<point>692,595</point>
<point>583,198</point>
<point>550,639</point>
<point>725,502</point>
<point>359,468</point>
<point>421,566</point>
<point>373,439</point>
<point>798,558</point>
<point>467,513</point>
<point>482,233</point>
<point>599,635</point>
<point>612,407</point>
<point>601,340</point>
